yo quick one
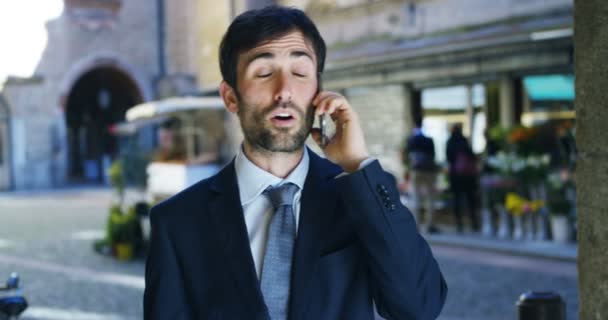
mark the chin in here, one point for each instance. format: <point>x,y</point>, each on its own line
<point>286,146</point>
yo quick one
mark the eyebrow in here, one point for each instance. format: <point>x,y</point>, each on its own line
<point>268,55</point>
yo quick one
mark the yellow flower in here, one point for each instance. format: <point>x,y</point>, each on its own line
<point>519,206</point>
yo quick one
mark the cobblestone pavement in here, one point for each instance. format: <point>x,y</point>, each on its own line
<point>47,238</point>
<point>485,286</point>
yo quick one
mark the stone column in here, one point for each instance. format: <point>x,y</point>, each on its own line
<point>591,69</point>
<point>470,112</point>
<point>506,102</point>
<point>412,106</point>
<point>491,107</point>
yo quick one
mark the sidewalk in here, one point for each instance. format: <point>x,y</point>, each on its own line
<point>541,249</point>
<point>63,191</point>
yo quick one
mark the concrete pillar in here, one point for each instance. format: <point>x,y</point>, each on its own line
<point>506,102</point>
<point>412,105</point>
<point>591,68</point>
<point>470,112</point>
<point>492,106</point>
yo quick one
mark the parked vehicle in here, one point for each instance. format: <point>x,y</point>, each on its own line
<point>191,141</point>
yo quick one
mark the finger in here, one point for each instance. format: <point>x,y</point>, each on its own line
<point>335,105</point>
<point>334,116</point>
<point>321,103</point>
<point>321,96</point>
<point>329,103</point>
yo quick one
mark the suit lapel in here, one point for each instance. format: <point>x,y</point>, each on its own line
<point>233,241</point>
<point>316,210</point>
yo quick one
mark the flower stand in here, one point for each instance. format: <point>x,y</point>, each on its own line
<point>530,230</point>
<point>487,229</point>
<point>541,226</point>
<point>504,227</point>
<point>518,228</point>
<point>560,228</point>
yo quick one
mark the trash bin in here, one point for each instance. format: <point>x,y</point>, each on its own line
<point>541,306</point>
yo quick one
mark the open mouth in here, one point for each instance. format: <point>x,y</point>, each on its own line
<point>283,117</point>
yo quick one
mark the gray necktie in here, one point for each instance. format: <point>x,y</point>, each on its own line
<point>276,271</point>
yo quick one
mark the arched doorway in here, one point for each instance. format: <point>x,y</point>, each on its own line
<point>98,99</point>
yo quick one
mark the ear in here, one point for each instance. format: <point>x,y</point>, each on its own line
<point>229,96</point>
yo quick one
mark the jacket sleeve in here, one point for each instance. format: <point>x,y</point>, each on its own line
<point>164,296</point>
<point>405,277</point>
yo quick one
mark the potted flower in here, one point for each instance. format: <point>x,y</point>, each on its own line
<point>520,207</point>
<point>559,207</point>
<point>123,230</point>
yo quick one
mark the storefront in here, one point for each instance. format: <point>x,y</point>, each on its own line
<point>444,107</point>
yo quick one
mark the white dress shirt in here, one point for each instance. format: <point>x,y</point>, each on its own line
<point>252,181</point>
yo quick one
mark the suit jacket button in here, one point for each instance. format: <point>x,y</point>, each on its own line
<point>393,207</point>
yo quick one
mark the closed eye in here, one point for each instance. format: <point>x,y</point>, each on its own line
<point>301,75</point>
<point>265,75</point>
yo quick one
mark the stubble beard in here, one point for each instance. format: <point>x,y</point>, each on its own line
<point>264,138</point>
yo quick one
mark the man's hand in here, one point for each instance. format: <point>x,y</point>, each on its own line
<point>347,147</point>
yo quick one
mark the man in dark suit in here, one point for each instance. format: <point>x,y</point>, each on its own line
<point>281,233</point>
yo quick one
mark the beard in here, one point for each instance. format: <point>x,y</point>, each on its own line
<point>263,137</point>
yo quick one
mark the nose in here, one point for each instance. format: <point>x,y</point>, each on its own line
<point>283,90</point>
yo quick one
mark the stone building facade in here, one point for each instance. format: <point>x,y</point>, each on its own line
<point>383,55</point>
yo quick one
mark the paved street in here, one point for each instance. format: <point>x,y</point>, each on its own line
<point>47,238</point>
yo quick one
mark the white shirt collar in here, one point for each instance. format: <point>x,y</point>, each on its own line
<point>253,180</point>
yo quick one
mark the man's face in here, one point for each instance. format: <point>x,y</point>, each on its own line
<point>277,82</point>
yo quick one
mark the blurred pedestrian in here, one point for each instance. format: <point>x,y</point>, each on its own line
<point>463,177</point>
<point>419,157</point>
<point>170,145</point>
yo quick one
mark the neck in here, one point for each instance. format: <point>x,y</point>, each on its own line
<point>279,164</point>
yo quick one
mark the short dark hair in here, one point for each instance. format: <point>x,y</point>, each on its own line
<point>253,27</point>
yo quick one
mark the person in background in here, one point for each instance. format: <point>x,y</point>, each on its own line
<point>463,177</point>
<point>170,147</point>
<point>419,156</point>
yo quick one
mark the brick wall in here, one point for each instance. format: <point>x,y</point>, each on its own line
<point>391,18</point>
<point>384,117</point>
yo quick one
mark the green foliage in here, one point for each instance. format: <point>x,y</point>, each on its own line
<point>123,227</point>
<point>116,176</point>
<point>134,163</point>
<point>498,134</point>
<point>557,198</point>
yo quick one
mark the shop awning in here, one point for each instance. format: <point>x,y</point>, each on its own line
<point>550,87</point>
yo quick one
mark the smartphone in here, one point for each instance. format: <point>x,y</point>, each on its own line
<point>322,121</point>
<point>323,126</point>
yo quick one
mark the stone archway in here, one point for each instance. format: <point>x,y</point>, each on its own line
<point>98,99</point>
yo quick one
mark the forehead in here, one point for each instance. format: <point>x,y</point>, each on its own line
<point>293,41</point>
